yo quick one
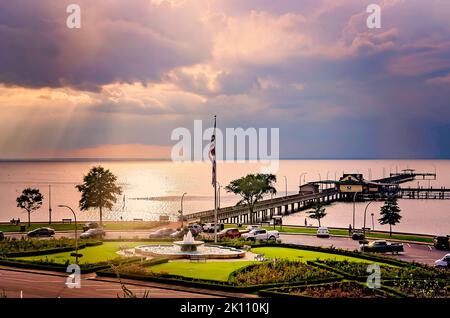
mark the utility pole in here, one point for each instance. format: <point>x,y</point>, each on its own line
<point>49,204</point>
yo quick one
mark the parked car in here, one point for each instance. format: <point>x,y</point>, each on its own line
<point>441,242</point>
<point>2,236</point>
<point>261,234</point>
<point>195,229</point>
<point>209,227</point>
<point>93,233</point>
<point>230,233</point>
<point>164,232</point>
<point>358,236</point>
<point>323,232</point>
<point>41,232</point>
<point>381,246</point>
<point>443,262</point>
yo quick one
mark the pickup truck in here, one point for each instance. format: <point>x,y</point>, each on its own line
<point>261,234</point>
<point>381,246</point>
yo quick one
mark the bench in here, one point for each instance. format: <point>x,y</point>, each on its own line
<point>198,258</point>
<point>64,221</point>
<point>138,220</point>
<point>260,258</point>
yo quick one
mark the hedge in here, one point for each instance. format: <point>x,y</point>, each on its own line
<point>50,250</point>
<point>283,292</point>
<point>57,267</point>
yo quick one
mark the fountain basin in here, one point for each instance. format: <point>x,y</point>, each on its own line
<point>188,246</point>
<point>174,251</point>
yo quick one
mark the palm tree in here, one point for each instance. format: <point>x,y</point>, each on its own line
<point>30,200</point>
<point>318,212</point>
<point>252,189</point>
<point>99,190</point>
<point>390,213</point>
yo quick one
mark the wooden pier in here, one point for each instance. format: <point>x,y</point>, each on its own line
<point>266,209</point>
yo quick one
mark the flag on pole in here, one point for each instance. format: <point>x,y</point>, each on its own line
<point>212,153</point>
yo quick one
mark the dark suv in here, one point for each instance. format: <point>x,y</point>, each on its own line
<point>441,242</point>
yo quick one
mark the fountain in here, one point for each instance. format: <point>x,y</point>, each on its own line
<point>188,248</point>
<point>188,244</point>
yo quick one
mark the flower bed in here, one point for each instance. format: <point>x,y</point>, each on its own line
<point>12,247</point>
<point>281,271</point>
<point>425,288</point>
<point>342,289</point>
<point>355,270</point>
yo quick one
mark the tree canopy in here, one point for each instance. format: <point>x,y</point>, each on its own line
<point>99,190</point>
<point>252,188</point>
<point>30,200</point>
<point>390,213</point>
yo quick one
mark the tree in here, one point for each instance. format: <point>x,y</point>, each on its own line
<point>390,213</point>
<point>30,200</point>
<point>99,190</point>
<point>318,212</point>
<point>252,189</point>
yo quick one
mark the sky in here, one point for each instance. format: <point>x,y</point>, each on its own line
<point>138,69</point>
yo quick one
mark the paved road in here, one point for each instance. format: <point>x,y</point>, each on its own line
<point>36,285</point>
<point>413,252</point>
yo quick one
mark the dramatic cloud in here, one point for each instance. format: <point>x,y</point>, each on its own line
<point>138,69</point>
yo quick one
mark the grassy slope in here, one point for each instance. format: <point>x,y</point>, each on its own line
<point>124,226</point>
<point>303,230</point>
<point>106,251</point>
<point>209,270</point>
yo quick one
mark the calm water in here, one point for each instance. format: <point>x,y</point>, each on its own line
<point>153,188</point>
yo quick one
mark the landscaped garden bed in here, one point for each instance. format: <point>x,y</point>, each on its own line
<point>421,288</point>
<point>12,247</point>
<point>278,272</point>
<point>357,270</point>
<point>341,289</point>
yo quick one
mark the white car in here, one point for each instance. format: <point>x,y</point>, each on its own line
<point>261,234</point>
<point>443,262</point>
<point>323,232</point>
<point>209,227</point>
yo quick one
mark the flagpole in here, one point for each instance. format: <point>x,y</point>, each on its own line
<point>215,184</point>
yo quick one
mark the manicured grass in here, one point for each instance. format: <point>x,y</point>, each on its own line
<point>92,254</point>
<point>124,226</point>
<point>221,270</point>
<point>413,238</point>
<point>301,255</point>
<point>209,270</point>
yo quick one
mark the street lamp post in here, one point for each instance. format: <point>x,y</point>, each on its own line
<point>365,211</point>
<point>285,185</point>
<point>181,211</point>
<point>76,232</point>
<point>354,199</point>
<point>300,180</point>
<point>373,224</point>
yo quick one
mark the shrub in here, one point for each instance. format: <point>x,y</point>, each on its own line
<point>278,271</point>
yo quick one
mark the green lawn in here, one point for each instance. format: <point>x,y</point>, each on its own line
<point>92,254</point>
<point>209,270</point>
<point>309,230</point>
<point>221,270</point>
<point>109,225</point>
<point>301,255</point>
